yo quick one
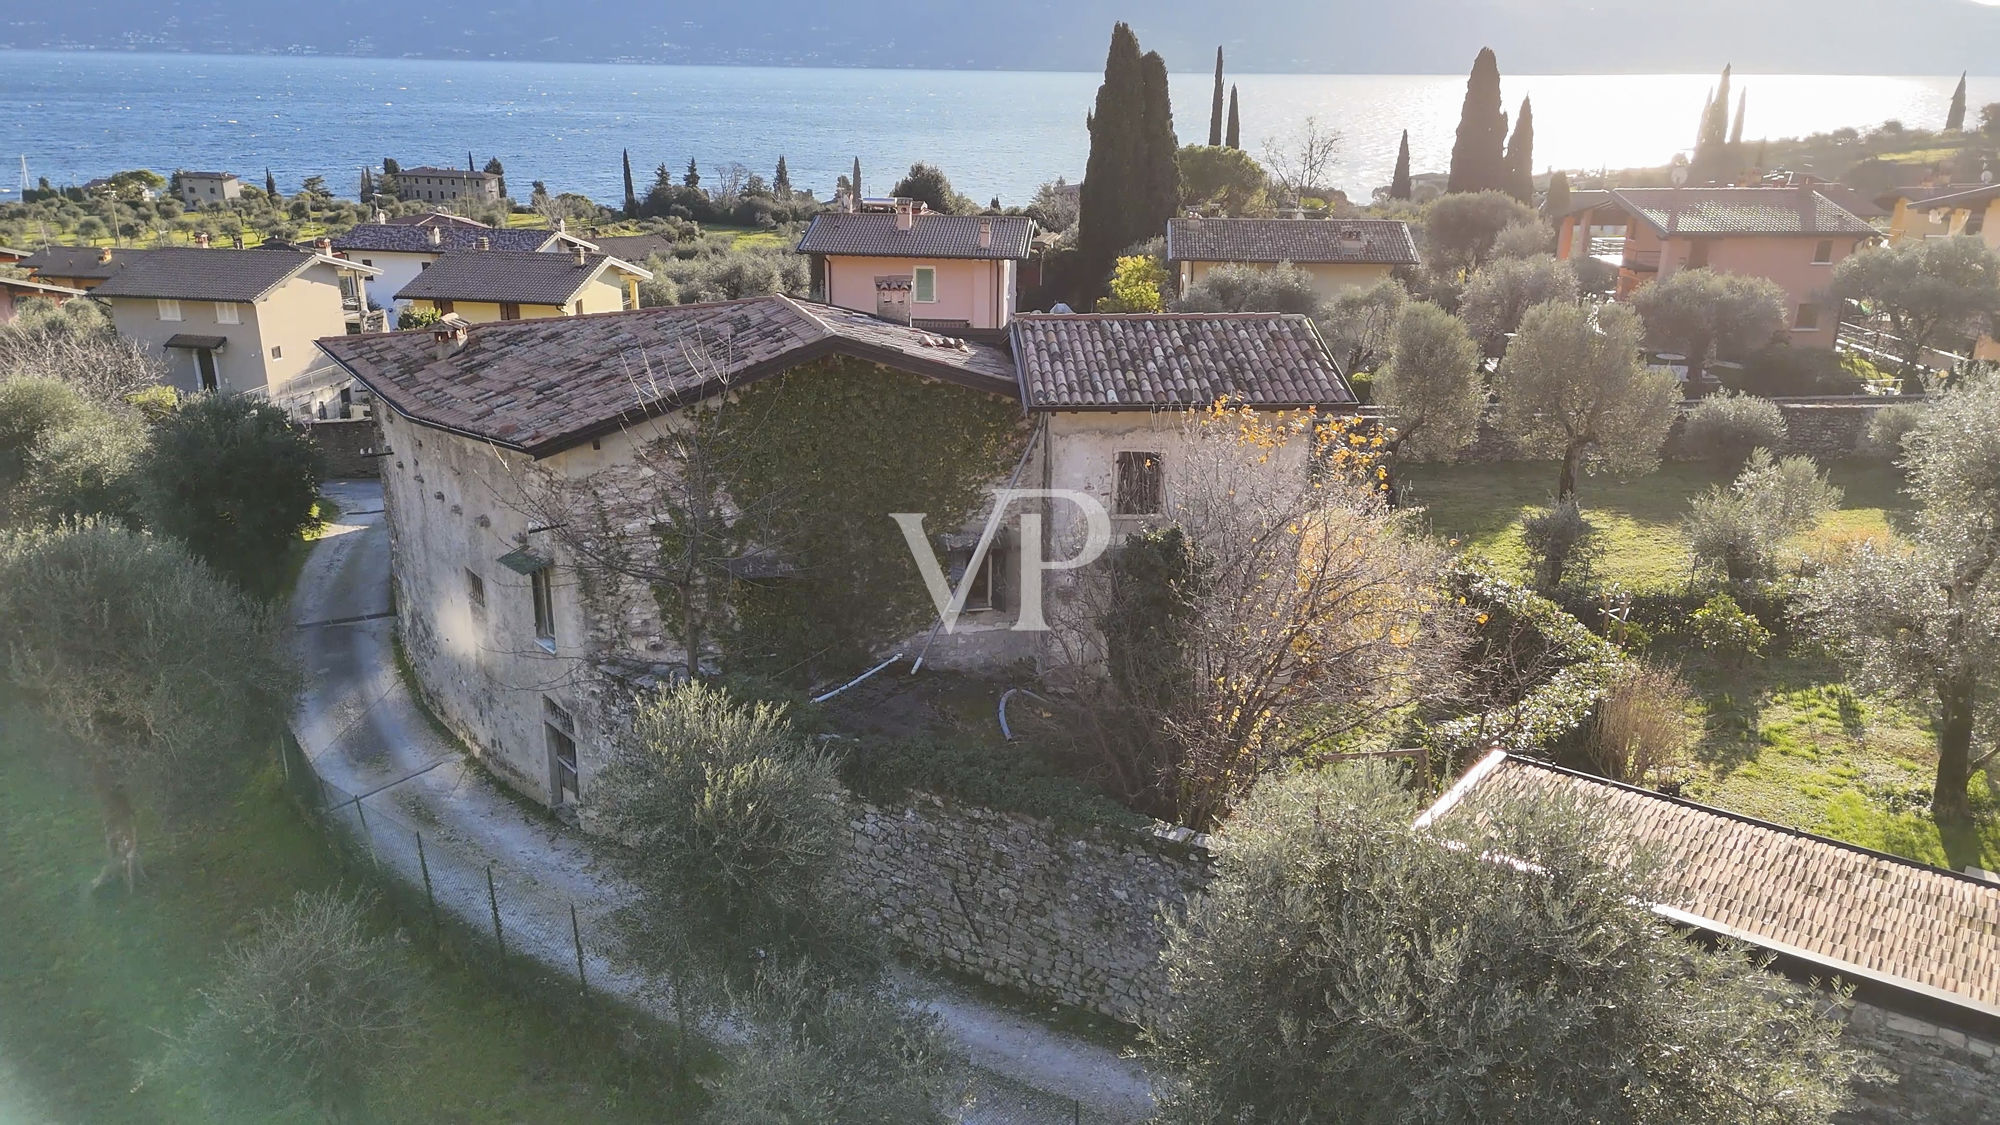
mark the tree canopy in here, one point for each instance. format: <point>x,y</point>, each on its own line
<point>927,184</point>
<point>1705,315</point>
<point>1572,388</point>
<point>1131,181</point>
<point>1929,289</point>
<point>1228,179</point>
<point>1459,230</point>
<point>1431,386</point>
<point>1504,289</point>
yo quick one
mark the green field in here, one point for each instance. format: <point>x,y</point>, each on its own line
<point>1782,739</point>
<point>90,983</point>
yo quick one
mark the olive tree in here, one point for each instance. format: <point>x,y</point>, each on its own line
<point>167,682</point>
<point>1431,386</point>
<point>1572,387</point>
<point>1738,530</point>
<point>1251,288</point>
<point>1497,967</point>
<point>77,344</point>
<point>1921,617</point>
<point>1458,231</point>
<point>1928,289</point>
<point>1504,289</point>
<point>1705,315</point>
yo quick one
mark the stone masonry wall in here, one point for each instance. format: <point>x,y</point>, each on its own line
<point>352,447</point>
<point>1935,1074</point>
<point>1024,904</point>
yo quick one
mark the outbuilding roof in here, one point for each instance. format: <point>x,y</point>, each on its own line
<point>522,276</point>
<point>873,234</point>
<point>1095,361</point>
<point>1867,915</point>
<point>541,386</point>
<point>1360,241</point>
<point>1739,211</point>
<point>76,261</point>
<point>415,238</point>
<point>182,274</point>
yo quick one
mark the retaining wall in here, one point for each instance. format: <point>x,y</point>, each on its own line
<point>1825,429</point>
<point>352,447</point>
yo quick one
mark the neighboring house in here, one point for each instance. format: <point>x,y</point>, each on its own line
<point>1792,236</point>
<point>1340,254</point>
<point>16,291</point>
<point>432,219</point>
<point>442,185</point>
<point>209,189</point>
<point>240,321</point>
<point>76,267</point>
<point>488,285</point>
<point>495,618</point>
<point>1948,211</point>
<point>399,251</point>
<point>955,274</point>
<point>9,255</point>
<point>1920,945</point>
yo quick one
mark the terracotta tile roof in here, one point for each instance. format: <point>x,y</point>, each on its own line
<point>541,386</point>
<point>1361,241</point>
<point>873,234</point>
<point>205,275</point>
<point>1136,362</point>
<point>415,238</point>
<point>1757,210</point>
<point>1584,199</point>
<point>1922,928</point>
<point>521,276</point>
<point>636,247</point>
<point>435,219</point>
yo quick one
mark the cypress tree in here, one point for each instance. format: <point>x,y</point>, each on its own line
<point>1736,131</point>
<point>1159,177</point>
<point>1215,107</point>
<point>1478,156</point>
<point>693,177</point>
<point>270,185</point>
<point>1954,118</point>
<point>1711,149</point>
<point>1521,156</point>
<point>856,183</point>
<point>1111,190</point>
<point>367,185</point>
<point>1234,138</point>
<point>1557,203</point>
<point>781,181</point>
<point>1399,184</point>
<point>631,196</point>
<point>469,166</point>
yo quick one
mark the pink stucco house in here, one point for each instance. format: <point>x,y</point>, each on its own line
<point>1793,236</point>
<point>948,273</point>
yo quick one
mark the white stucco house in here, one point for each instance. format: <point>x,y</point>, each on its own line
<point>399,251</point>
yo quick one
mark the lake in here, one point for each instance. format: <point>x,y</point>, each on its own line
<point>76,115</point>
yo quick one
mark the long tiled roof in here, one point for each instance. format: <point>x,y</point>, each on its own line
<point>1741,211</point>
<point>461,173</point>
<point>1083,361</point>
<point>1361,241</point>
<point>76,261</point>
<point>873,234</point>
<point>22,283</point>
<point>518,276</point>
<point>436,219</point>
<point>416,239</point>
<point>541,386</point>
<point>204,275</point>
<point>1860,912</point>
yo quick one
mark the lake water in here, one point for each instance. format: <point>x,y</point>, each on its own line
<point>78,115</point>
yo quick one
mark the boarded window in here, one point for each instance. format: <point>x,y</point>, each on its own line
<point>560,730</point>
<point>1138,484</point>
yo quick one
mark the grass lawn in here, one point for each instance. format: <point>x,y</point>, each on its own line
<point>88,984</point>
<point>1482,505</point>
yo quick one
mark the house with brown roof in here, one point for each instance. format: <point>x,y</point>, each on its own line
<point>483,286</point>
<point>16,292</point>
<point>236,321</point>
<point>1340,255</point>
<point>1919,945</point>
<point>1793,236</point>
<point>946,273</point>
<point>402,249</point>
<point>1948,211</point>
<point>73,267</point>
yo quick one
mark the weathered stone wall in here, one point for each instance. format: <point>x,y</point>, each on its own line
<point>352,447</point>
<point>1023,903</point>
<point>1935,1074</point>
<point>1822,428</point>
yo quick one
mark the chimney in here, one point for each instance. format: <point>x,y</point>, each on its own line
<point>1808,208</point>
<point>104,255</point>
<point>451,334</point>
<point>236,241</point>
<point>906,214</point>
<point>582,257</point>
<point>562,224</point>
<point>381,216</point>
<point>323,246</point>
<point>485,243</point>
<point>201,239</point>
<point>436,235</point>
<point>986,234</point>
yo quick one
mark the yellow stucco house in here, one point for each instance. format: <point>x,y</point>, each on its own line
<point>1340,254</point>
<point>1948,211</point>
<point>485,286</point>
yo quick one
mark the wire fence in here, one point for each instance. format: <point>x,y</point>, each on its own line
<point>557,945</point>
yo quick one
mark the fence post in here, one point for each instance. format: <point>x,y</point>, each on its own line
<point>430,896</point>
<point>576,934</point>
<point>493,899</point>
<point>367,837</point>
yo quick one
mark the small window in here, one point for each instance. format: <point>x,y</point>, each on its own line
<point>367,261</point>
<point>560,730</point>
<point>277,351</point>
<point>510,310</point>
<point>545,609</point>
<point>1823,252</point>
<point>1138,484</point>
<point>169,310</point>
<point>924,286</point>
<point>225,313</point>
<point>1808,318</point>
<point>423,265</point>
<point>981,592</point>
<point>475,592</point>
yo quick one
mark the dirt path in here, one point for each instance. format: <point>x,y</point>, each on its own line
<point>367,735</point>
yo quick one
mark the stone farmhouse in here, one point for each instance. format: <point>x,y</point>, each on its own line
<point>527,642</point>
<point>209,189</point>
<point>1340,255</point>
<point>443,185</point>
